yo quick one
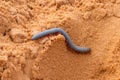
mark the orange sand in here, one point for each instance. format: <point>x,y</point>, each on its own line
<point>91,23</point>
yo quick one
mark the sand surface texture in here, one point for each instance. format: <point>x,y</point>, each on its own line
<point>90,23</point>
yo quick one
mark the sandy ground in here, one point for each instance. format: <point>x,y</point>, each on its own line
<point>91,23</point>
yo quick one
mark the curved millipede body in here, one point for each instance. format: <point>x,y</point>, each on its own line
<point>56,30</point>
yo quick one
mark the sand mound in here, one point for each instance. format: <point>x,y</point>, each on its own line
<point>91,23</point>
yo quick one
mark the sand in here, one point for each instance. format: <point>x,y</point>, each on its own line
<point>90,23</point>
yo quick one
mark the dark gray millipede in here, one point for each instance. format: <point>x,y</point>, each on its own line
<point>59,30</point>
